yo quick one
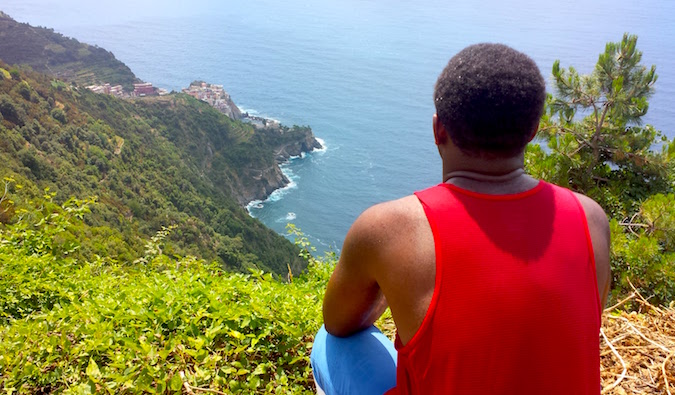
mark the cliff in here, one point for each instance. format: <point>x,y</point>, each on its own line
<point>257,179</point>
<point>304,142</point>
<point>286,142</point>
<point>254,181</point>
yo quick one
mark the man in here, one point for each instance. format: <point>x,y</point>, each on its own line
<point>495,280</point>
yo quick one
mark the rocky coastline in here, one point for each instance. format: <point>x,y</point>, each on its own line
<point>256,184</point>
<point>263,182</point>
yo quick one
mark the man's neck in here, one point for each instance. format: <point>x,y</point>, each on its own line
<point>490,176</point>
<point>515,181</point>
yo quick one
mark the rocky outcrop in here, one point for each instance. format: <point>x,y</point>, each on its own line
<point>256,177</point>
<point>305,143</point>
<point>232,110</point>
<point>266,181</point>
<point>258,184</point>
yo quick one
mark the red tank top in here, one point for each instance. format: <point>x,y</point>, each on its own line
<point>515,308</point>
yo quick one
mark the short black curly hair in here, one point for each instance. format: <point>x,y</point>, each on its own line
<point>490,99</point>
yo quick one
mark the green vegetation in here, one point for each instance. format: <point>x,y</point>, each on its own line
<point>49,52</point>
<point>74,327</point>
<point>598,146</point>
<point>152,163</point>
<point>102,296</point>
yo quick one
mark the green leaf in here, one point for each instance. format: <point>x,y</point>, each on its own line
<point>241,372</point>
<point>175,384</point>
<point>92,371</point>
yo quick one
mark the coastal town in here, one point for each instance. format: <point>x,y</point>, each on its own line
<point>215,95</point>
<point>141,89</point>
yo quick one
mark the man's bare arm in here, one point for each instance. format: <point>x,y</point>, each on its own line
<point>353,299</point>
<point>598,226</point>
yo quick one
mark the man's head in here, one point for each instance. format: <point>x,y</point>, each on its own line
<point>490,98</point>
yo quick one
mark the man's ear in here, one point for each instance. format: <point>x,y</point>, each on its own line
<point>440,134</point>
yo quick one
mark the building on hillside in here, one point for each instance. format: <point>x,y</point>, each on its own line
<point>117,90</point>
<point>144,89</point>
<point>214,95</point>
<point>96,88</point>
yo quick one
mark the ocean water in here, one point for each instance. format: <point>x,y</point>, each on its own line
<point>359,72</point>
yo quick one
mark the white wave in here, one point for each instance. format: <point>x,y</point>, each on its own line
<point>290,216</point>
<point>255,113</point>
<point>323,148</point>
<point>257,204</point>
<point>250,111</point>
<point>279,193</point>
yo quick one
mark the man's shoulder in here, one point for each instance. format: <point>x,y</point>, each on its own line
<point>393,212</point>
<point>599,232</point>
<point>386,222</point>
<point>595,214</point>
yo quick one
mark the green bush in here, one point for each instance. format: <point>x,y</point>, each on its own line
<point>15,74</point>
<point>23,89</point>
<point>59,115</point>
<point>10,111</point>
<point>149,327</point>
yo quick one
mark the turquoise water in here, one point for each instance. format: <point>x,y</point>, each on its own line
<point>361,73</point>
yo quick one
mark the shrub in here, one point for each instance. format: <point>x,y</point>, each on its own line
<point>153,326</point>
<point>15,74</point>
<point>10,111</point>
<point>59,115</point>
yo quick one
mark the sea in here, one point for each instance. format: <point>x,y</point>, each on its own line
<point>359,72</point>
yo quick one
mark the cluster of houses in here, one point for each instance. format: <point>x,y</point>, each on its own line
<point>216,96</point>
<point>140,90</point>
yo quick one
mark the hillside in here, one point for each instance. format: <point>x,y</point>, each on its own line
<point>151,163</point>
<point>65,58</point>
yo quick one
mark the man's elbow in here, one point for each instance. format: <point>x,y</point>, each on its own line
<point>337,330</point>
<point>340,328</point>
<point>334,327</point>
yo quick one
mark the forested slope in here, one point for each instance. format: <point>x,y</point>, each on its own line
<point>152,163</point>
<point>66,58</point>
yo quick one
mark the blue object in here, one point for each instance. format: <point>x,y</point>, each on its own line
<point>363,363</point>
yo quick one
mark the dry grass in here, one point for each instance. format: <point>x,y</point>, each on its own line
<point>637,349</point>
